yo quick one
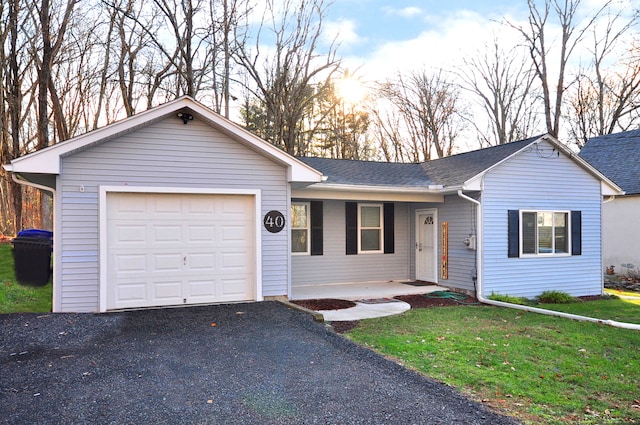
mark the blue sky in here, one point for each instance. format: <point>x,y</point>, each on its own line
<point>383,20</point>
<point>379,37</point>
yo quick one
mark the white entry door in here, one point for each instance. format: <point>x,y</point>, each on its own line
<point>427,245</point>
<point>171,249</point>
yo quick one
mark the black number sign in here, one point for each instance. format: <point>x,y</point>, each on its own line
<point>274,221</point>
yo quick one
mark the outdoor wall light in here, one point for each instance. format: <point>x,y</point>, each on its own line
<point>186,117</point>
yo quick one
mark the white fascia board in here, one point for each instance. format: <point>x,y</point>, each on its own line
<point>366,193</point>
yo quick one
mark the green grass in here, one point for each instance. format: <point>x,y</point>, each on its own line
<point>15,298</point>
<point>540,369</point>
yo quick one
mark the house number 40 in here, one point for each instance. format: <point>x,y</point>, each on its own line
<point>274,221</point>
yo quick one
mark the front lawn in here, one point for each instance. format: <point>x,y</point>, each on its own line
<point>15,298</point>
<point>539,369</point>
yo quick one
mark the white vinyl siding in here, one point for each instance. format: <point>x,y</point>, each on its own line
<point>336,267</point>
<point>531,181</point>
<point>164,154</point>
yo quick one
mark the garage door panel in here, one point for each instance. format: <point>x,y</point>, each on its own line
<point>233,287</point>
<point>166,291</point>
<point>167,262</point>
<point>167,207</point>
<point>130,263</point>
<point>133,292</point>
<point>128,206</point>
<point>199,262</point>
<point>201,233</point>
<point>232,262</point>
<point>166,233</point>
<point>197,289</point>
<point>130,235</point>
<point>235,233</point>
<point>182,249</point>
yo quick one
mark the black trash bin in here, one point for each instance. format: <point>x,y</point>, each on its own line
<point>32,257</point>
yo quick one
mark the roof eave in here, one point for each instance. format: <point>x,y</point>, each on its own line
<point>371,188</point>
<point>47,161</point>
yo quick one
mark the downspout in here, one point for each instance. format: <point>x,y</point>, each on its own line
<point>482,299</point>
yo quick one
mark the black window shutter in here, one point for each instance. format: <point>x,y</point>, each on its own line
<point>351,220</point>
<point>389,242</point>
<point>576,232</point>
<point>317,243</point>
<point>514,233</point>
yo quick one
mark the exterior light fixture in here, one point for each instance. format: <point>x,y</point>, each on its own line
<point>186,117</point>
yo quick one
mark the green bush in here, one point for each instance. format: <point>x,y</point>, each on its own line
<point>555,297</point>
<point>509,299</point>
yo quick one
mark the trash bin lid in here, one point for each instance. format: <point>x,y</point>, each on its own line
<point>36,233</point>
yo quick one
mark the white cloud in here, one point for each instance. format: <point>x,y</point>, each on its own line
<point>443,45</point>
<point>344,31</point>
<point>406,12</point>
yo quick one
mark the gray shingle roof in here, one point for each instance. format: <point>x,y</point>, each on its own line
<point>450,171</point>
<point>369,173</point>
<point>457,169</point>
<point>617,156</point>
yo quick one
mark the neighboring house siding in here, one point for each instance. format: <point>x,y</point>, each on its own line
<point>537,179</point>
<point>164,154</point>
<point>621,233</point>
<point>334,266</point>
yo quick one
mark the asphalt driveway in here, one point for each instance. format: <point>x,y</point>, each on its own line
<point>258,363</point>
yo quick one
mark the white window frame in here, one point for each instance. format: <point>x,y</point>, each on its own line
<point>553,252</point>
<point>380,229</point>
<point>307,206</point>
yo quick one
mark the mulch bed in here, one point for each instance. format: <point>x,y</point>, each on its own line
<point>325,304</point>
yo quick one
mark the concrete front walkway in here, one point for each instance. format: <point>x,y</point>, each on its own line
<point>373,299</point>
<point>366,310</point>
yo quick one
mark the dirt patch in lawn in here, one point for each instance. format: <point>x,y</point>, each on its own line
<point>424,301</point>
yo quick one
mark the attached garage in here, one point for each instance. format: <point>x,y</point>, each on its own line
<point>175,248</point>
<point>156,210</point>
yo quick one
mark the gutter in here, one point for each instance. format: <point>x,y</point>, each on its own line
<point>482,299</point>
<point>15,178</point>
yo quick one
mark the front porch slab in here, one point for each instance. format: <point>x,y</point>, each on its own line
<point>361,290</point>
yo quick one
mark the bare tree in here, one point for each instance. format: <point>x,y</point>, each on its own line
<point>431,108</point>
<point>386,130</point>
<point>228,18</point>
<point>288,79</point>
<point>50,46</point>
<point>536,37</point>
<point>502,82</point>
<point>606,99</point>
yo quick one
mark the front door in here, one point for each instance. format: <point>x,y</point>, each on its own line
<point>426,245</point>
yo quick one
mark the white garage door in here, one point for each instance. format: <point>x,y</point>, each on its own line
<point>170,249</point>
